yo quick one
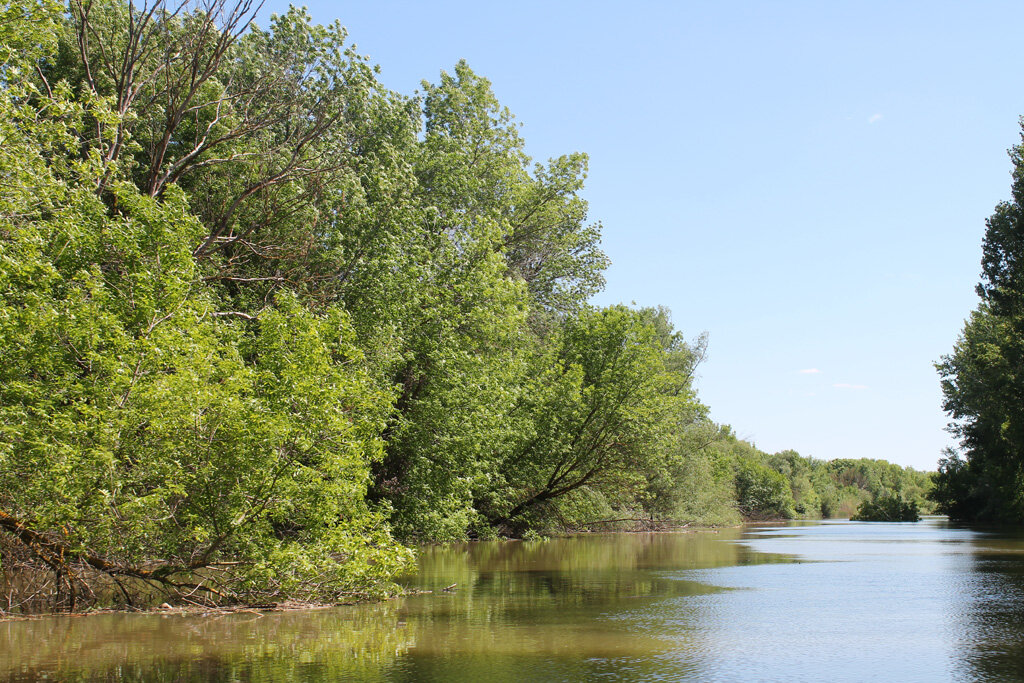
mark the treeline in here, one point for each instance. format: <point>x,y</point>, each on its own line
<point>983,379</point>
<point>733,480</point>
<point>264,321</point>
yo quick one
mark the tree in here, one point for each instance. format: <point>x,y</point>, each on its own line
<point>473,166</point>
<point>153,443</point>
<point>761,492</point>
<point>492,247</point>
<point>889,508</point>
<point>598,415</point>
<point>983,379</point>
<point>981,383</point>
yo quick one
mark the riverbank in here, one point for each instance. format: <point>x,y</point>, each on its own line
<point>763,601</point>
<point>185,606</point>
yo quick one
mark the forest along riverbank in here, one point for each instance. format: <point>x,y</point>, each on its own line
<point>257,347</point>
<point>804,601</point>
<point>768,487</point>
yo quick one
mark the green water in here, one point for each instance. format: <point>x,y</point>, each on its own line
<point>805,602</point>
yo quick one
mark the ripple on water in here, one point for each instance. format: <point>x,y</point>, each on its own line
<point>806,602</point>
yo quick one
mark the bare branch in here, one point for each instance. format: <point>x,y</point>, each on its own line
<point>236,314</point>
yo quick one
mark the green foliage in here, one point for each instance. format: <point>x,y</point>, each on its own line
<point>143,425</point>
<point>144,429</point>
<point>481,222</point>
<point>531,536</point>
<point>982,379</point>
<point>261,317</point>
<point>593,416</point>
<point>705,491</point>
<point>887,509</point>
<point>762,492</point>
<point>786,484</point>
<point>28,32</point>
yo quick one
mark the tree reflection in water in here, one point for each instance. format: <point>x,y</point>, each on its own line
<point>844,601</point>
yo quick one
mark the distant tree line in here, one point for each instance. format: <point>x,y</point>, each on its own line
<point>264,323</point>
<point>755,485</point>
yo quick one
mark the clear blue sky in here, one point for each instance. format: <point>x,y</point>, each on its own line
<point>805,181</point>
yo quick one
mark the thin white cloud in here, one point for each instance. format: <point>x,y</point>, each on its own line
<point>875,118</point>
<point>844,385</point>
<point>809,371</point>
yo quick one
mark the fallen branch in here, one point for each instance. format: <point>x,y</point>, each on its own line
<point>646,520</point>
<point>59,557</point>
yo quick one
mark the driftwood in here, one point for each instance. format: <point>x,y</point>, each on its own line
<point>644,520</point>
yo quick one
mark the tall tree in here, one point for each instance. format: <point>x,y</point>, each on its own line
<point>602,406</point>
<point>474,165</point>
<point>495,246</point>
<point>149,438</point>
<point>983,379</point>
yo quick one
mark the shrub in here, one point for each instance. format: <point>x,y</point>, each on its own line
<point>887,509</point>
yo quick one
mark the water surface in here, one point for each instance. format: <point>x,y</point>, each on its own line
<point>803,602</point>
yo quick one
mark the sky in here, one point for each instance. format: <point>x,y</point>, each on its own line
<point>807,182</point>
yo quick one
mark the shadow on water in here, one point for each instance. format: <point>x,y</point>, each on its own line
<point>991,610</point>
<point>842,601</point>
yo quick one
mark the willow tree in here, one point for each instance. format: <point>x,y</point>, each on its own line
<point>500,242</point>
<point>152,438</point>
<point>604,405</point>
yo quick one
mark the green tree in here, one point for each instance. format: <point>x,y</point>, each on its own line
<point>149,438</point>
<point>979,381</point>
<point>495,246</point>
<point>762,492</point>
<point>889,508</point>
<point>473,165</point>
<point>595,417</point>
<point>982,380</point>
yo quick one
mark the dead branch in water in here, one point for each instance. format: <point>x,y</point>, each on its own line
<point>70,569</point>
<point>643,520</point>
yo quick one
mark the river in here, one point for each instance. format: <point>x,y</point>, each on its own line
<point>833,600</point>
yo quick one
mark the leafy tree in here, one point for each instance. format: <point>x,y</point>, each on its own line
<point>890,508</point>
<point>148,438</point>
<point>762,492</point>
<point>457,385</point>
<point>982,382</point>
<point>473,165</point>
<point>495,246</point>
<point>596,415</point>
